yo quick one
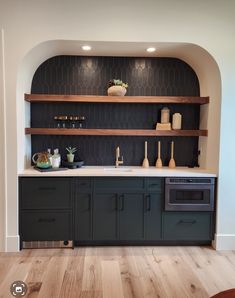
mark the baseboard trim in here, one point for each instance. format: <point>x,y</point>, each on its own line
<point>224,242</point>
<point>12,243</point>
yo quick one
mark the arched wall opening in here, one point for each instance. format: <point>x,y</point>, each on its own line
<point>198,58</point>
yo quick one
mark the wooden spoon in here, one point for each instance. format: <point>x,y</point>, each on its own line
<point>159,161</point>
<point>145,163</point>
<point>172,161</point>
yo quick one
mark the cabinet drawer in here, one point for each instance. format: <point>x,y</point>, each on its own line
<point>154,184</point>
<point>121,183</point>
<point>45,193</point>
<point>187,226</point>
<point>46,225</point>
<point>84,184</point>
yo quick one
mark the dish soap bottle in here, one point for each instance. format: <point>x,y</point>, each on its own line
<point>56,159</point>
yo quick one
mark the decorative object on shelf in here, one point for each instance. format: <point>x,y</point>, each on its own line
<point>165,115</point>
<point>159,161</point>
<point>172,161</point>
<point>73,165</point>
<point>70,120</point>
<point>163,126</point>
<point>56,159</point>
<point>176,121</point>
<point>41,160</point>
<point>145,163</point>
<point>117,88</point>
<point>70,155</point>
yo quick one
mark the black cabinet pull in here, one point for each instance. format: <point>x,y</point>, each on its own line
<point>47,188</point>
<point>46,220</point>
<point>121,203</point>
<point>187,222</point>
<point>153,184</point>
<point>148,202</point>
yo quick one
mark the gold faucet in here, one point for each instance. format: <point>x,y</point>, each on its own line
<point>118,162</point>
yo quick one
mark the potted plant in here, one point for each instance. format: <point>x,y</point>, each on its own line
<point>70,155</point>
<point>117,88</point>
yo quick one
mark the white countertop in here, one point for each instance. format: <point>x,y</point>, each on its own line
<point>122,171</point>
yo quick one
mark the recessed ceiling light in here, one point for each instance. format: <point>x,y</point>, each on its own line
<point>150,50</point>
<point>86,48</point>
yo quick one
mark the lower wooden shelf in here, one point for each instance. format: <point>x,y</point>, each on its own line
<point>115,132</point>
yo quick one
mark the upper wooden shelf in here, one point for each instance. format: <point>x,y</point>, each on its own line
<point>116,99</point>
<point>115,132</point>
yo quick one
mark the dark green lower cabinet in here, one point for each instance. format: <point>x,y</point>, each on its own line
<point>105,216</point>
<point>131,216</point>
<point>187,226</point>
<point>153,216</point>
<point>106,210</point>
<point>83,217</point>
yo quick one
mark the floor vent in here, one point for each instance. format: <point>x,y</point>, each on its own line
<point>47,244</point>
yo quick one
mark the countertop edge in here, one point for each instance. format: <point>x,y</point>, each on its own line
<point>109,171</point>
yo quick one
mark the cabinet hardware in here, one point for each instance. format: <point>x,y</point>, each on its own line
<point>47,188</point>
<point>121,203</point>
<point>187,222</point>
<point>153,184</point>
<point>46,220</point>
<point>148,202</point>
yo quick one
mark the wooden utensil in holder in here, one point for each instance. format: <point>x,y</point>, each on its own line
<point>145,163</point>
<point>159,161</point>
<point>172,161</point>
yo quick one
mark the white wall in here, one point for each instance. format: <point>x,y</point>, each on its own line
<point>209,24</point>
<point>2,149</point>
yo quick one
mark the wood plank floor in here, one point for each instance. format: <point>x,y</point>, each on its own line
<point>119,272</point>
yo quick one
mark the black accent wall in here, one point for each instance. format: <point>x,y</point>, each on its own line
<point>90,76</point>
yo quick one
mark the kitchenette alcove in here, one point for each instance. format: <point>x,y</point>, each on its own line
<point>98,149</point>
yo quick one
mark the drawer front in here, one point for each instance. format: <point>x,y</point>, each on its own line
<point>46,225</point>
<point>155,184</point>
<point>120,183</point>
<point>83,184</point>
<point>45,193</point>
<point>187,226</point>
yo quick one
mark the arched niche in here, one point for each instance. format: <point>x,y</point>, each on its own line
<point>198,58</point>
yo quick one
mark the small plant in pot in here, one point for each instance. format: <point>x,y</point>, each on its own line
<point>117,88</point>
<point>70,155</point>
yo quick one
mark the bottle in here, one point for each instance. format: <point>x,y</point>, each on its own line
<point>56,159</point>
<point>49,155</point>
<point>165,115</point>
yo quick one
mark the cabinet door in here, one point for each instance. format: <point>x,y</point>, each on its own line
<point>131,216</point>
<point>83,203</point>
<point>105,216</point>
<point>153,216</point>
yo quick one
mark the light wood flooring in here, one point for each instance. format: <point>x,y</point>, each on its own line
<point>117,272</point>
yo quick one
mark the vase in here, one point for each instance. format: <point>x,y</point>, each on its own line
<point>116,91</point>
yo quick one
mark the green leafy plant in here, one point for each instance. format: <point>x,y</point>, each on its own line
<point>116,82</point>
<point>71,150</point>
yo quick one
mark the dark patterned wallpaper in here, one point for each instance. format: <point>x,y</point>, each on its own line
<point>89,76</point>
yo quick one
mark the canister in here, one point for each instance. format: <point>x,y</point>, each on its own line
<point>176,121</point>
<point>165,115</point>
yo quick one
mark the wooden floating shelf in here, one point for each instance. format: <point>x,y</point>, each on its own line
<point>116,99</point>
<point>115,132</point>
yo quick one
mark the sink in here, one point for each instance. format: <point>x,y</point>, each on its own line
<point>118,169</point>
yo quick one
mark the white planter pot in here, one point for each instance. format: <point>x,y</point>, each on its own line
<point>116,91</point>
<point>70,157</point>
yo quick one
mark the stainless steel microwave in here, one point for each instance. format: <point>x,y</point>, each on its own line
<point>189,194</point>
